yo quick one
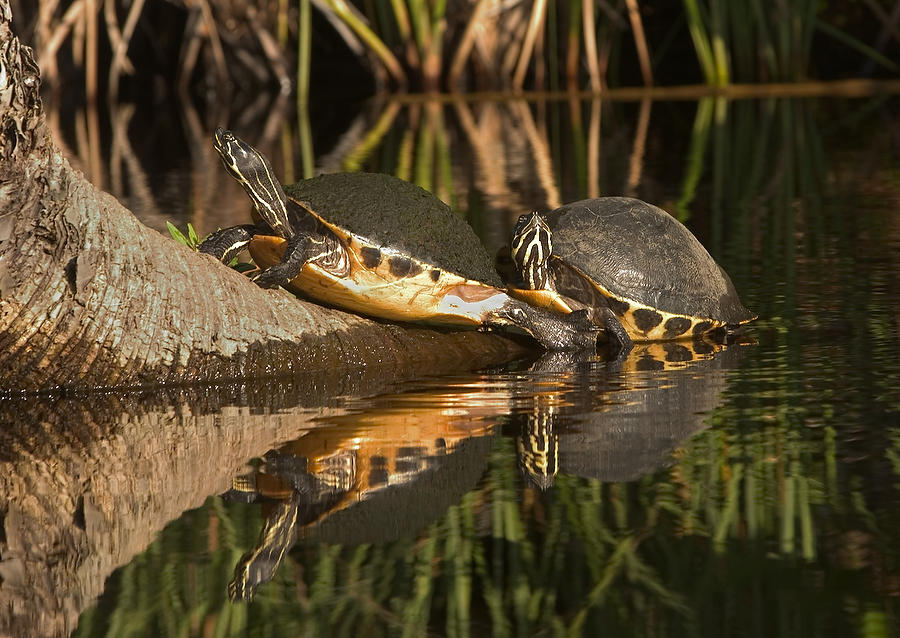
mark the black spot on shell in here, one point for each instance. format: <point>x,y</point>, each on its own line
<point>648,363</point>
<point>371,257</point>
<point>677,353</point>
<point>406,466</point>
<point>435,274</point>
<point>702,327</point>
<point>401,266</point>
<point>646,320</point>
<point>618,307</point>
<point>414,269</point>
<point>676,326</point>
<point>701,347</point>
<point>378,476</point>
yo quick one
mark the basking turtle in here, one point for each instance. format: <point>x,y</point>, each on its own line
<point>642,274</point>
<point>376,245</point>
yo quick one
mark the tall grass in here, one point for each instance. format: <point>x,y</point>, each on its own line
<point>434,45</point>
<point>759,40</point>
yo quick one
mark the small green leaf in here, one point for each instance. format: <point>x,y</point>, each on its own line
<point>191,240</point>
<point>192,235</point>
<point>177,235</point>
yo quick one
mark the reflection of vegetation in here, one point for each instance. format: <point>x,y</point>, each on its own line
<point>429,45</point>
<point>587,558</point>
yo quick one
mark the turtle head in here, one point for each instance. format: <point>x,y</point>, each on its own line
<point>530,250</point>
<point>254,172</point>
<point>574,331</point>
<point>538,448</point>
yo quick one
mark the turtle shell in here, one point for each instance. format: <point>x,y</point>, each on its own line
<point>410,257</point>
<point>645,259</point>
<point>390,212</point>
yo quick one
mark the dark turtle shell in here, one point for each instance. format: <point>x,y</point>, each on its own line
<point>639,253</point>
<point>393,213</point>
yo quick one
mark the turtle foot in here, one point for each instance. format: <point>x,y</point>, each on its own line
<point>227,243</point>
<point>268,279</point>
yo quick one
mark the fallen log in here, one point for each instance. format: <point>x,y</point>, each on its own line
<point>89,297</point>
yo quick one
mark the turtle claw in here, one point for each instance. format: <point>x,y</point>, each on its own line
<point>300,250</point>
<point>267,279</point>
<point>618,340</point>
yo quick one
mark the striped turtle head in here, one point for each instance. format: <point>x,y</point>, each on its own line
<point>538,448</point>
<point>530,250</point>
<point>254,172</point>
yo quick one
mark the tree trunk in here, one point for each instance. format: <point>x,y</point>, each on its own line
<point>90,297</point>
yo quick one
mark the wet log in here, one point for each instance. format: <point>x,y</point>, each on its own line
<point>89,297</point>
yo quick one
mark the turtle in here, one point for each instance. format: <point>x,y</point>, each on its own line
<point>641,273</point>
<point>379,246</point>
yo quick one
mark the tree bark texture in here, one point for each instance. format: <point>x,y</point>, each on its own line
<point>91,297</point>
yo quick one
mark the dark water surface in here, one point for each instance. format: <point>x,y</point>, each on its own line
<point>691,490</point>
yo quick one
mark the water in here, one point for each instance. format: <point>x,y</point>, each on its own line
<point>689,490</point>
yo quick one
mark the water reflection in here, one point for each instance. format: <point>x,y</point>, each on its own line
<point>395,463</point>
<point>619,426</point>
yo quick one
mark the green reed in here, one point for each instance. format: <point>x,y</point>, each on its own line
<point>304,52</point>
<point>743,40</point>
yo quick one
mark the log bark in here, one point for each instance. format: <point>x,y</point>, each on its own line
<point>91,297</point>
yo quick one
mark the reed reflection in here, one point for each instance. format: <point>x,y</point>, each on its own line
<point>491,160</point>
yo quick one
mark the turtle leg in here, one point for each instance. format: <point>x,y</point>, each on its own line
<point>616,332</point>
<point>301,249</point>
<point>574,331</point>
<point>225,244</point>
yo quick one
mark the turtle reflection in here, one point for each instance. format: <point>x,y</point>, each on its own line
<point>620,426</point>
<point>399,466</point>
<point>378,475</point>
